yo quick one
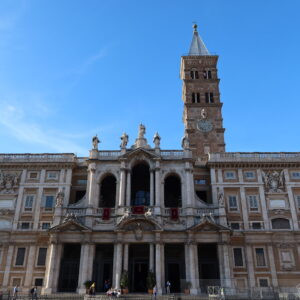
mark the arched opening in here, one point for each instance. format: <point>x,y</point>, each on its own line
<point>108,192</point>
<point>140,185</point>
<point>172,191</point>
<point>280,223</point>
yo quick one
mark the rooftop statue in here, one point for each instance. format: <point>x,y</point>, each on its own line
<point>95,142</point>
<point>124,140</point>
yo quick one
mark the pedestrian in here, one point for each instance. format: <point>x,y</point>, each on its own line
<point>33,293</point>
<point>106,285</point>
<point>168,286</point>
<point>154,292</point>
<point>15,292</point>
<point>93,289</point>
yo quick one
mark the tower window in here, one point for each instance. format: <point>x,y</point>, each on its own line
<point>194,74</point>
<point>195,97</point>
<point>209,97</point>
<point>207,74</point>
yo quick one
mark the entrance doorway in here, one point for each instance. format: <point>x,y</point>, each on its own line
<point>208,266</point>
<point>103,265</point>
<point>174,266</point>
<point>69,268</point>
<point>138,267</point>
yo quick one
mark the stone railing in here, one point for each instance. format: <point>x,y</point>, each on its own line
<point>107,155</point>
<point>172,154</point>
<point>99,211</point>
<point>44,157</point>
<point>78,211</point>
<point>254,157</point>
<point>206,211</point>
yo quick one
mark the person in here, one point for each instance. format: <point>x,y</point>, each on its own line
<point>33,293</point>
<point>168,286</point>
<point>154,292</point>
<point>106,285</point>
<point>93,289</point>
<point>15,292</point>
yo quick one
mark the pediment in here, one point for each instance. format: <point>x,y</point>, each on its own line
<point>70,225</point>
<point>207,224</point>
<point>140,152</point>
<point>138,223</point>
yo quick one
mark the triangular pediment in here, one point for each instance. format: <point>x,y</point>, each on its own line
<point>70,225</point>
<point>140,152</point>
<point>207,224</point>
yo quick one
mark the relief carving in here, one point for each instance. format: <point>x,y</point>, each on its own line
<point>274,181</point>
<point>9,182</point>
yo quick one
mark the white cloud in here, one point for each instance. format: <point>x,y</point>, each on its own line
<point>16,122</point>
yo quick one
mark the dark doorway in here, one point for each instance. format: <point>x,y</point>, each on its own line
<point>103,265</point>
<point>174,266</point>
<point>208,266</point>
<point>138,267</point>
<point>108,192</point>
<point>140,185</point>
<point>69,268</point>
<point>172,191</point>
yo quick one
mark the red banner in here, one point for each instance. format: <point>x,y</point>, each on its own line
<point>106,213</point>
<point>174,213</point>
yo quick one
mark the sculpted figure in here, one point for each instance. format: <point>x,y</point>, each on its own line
<point>203,113</point>
<point>220,197</point>
<point>142,131</point>
<point>185,143</point>
<point>156,140</point>
<point>124,140</point>
<point>95,142</point>
<point>60,198</point>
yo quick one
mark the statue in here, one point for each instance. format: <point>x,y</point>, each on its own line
<point>185,143</point>
<point>148,213</point>
<point>220,196</point>
<point>60,198</point>
<point>142,131</point>
<point>8,182</point>
<point>95,141</point>
<point>124,140</point>
<point>273,181</point>
<point>156,140</point>
<point>203,113</point>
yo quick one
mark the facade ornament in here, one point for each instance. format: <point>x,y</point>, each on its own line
<point>124,140</point>
<point>141,141</point>
<point>95,142</point>
<point>220,196</point>
<point>125,216</point>
<point>185,142</point>
<point>9,182</point>
<point>142,131</point>
<point>138,232</point>
<point>70,217</point>
<point>156,140</point>
<point>148,213</point>
<point>60,198</point>
<point>273,181</point>
<point>6,212</point>
<point>203,113</point>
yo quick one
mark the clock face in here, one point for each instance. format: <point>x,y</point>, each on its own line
<point>204,125</point>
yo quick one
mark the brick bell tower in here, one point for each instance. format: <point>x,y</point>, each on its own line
<point>202,114</point>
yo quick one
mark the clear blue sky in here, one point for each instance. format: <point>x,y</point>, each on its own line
<point>71,69</point>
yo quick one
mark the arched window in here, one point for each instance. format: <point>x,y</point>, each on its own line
<point>281,223</point>
<point>140,185</point>
<point>108,192</point>
<point>172,190</point>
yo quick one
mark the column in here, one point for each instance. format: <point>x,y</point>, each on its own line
<point>157,185</point>
<point>151,188</point>
<point>9,256</point>
<point>151,257</point>
<point>91,261</point>
<point>122,185</point>
<point>193,259</point>
<point>19,199</point>
<point>227,268</point>
<point>92,184</point>
<point>158,267</point>
<point>30,265</point>
<point>50,269</point>
<point>188,186</point>
<point>83,268</point>
<point>293,208</point>
<point>126,256</point>
<point>250,266</point>
<point>39,201</point>
<point>128,188</point>
<point>244,208</point>
<point>272,266</point>
<point>118,265</point>
<point>187,262</point>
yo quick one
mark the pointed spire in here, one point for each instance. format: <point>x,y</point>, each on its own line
<point>197,46</point>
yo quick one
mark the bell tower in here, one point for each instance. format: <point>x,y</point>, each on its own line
<point>202,114</point>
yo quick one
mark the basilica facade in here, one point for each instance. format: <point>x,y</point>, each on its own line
<point>196,217</point>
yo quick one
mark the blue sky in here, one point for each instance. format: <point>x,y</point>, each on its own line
<point>71,69</point>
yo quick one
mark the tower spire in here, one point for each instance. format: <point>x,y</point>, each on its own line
<point>197,46</point>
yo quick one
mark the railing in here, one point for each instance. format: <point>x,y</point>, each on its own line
<point>207,211</point>
<point>172,153</point>
<point>254,156</point>
<point>76,211</point>
<point>44,157</point>
<point>99,211</point>
<point>112,154</point>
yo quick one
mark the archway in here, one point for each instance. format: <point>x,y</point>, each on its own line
<point>140,185</point>
<point>108,192</point>
<point>172,191</point>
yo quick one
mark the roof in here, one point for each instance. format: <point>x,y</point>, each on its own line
<point>197,46</point>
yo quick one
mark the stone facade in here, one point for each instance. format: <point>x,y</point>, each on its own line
<point>197,217</point>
